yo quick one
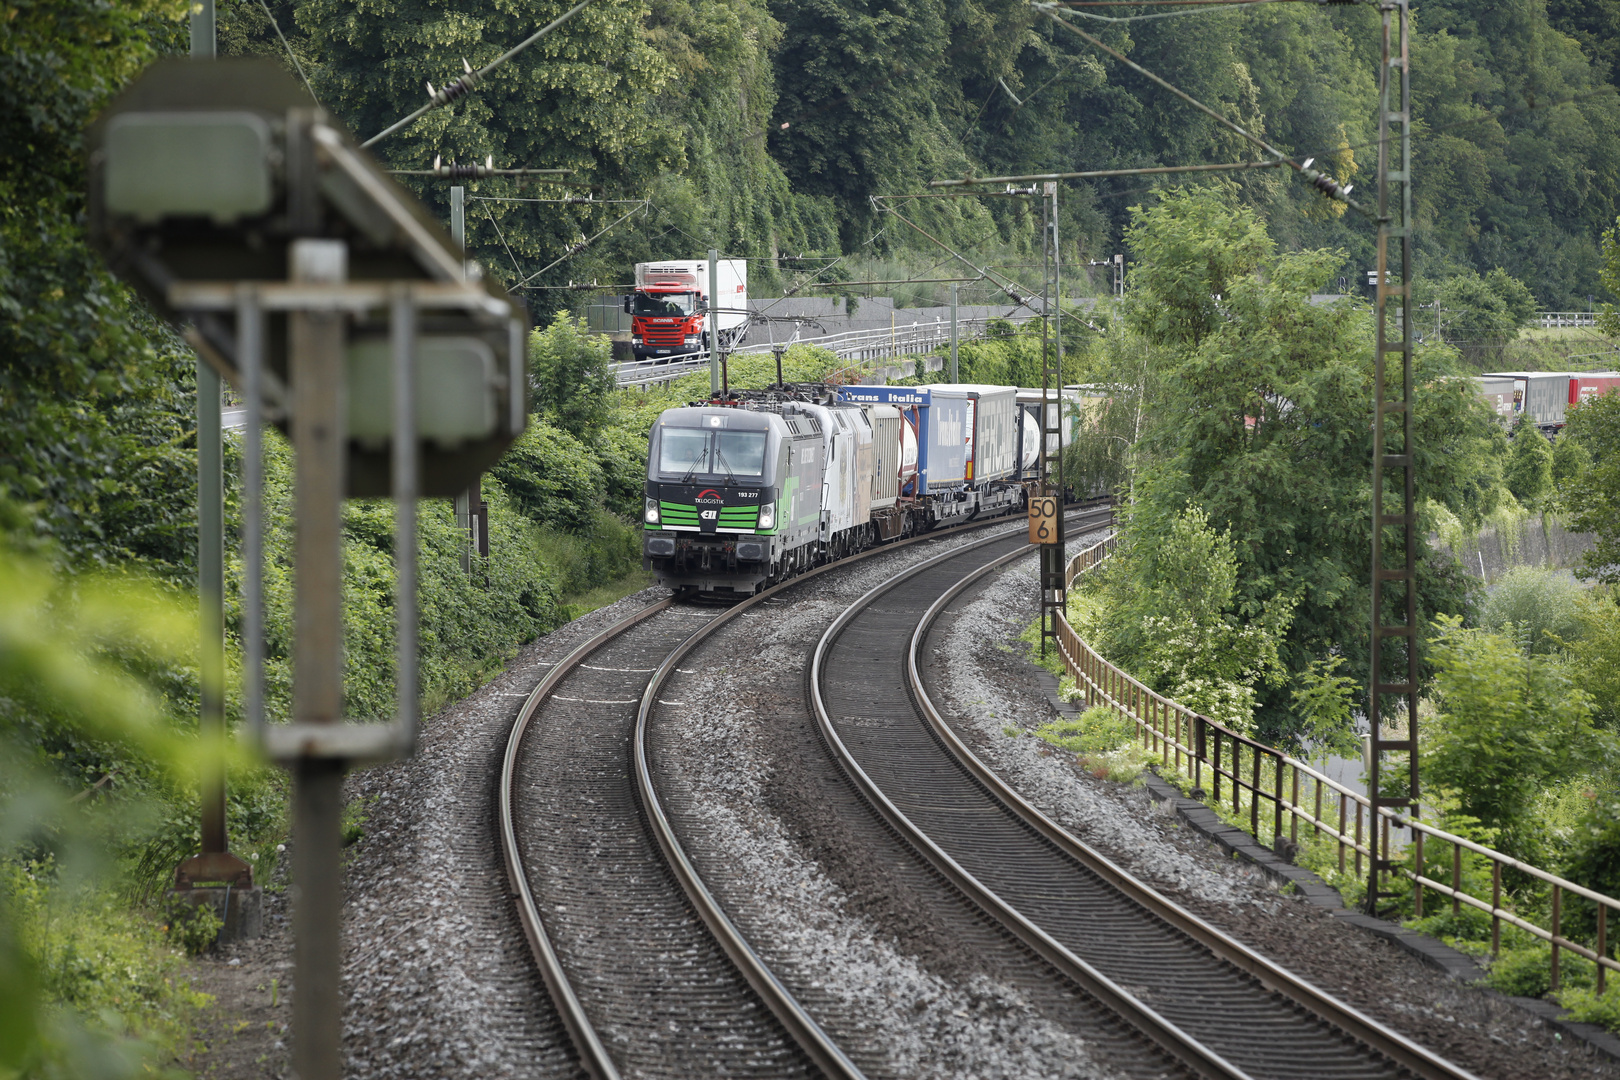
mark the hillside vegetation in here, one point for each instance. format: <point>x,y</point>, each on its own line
<point>763,128</point>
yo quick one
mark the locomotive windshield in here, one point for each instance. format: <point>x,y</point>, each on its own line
<point>689,452</point>
<point>741,453</point>
<point>682,450</point>
<point>666,305</point>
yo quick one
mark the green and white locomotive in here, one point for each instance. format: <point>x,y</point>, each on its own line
<point>733,497</point>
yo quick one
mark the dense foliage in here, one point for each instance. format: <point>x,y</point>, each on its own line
<point>1508,723</point>
<point>94,393</point>
<point>1257,416</point>
<point>764,127</point>
<point>1592,496</point>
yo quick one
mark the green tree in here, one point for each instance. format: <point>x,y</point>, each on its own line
<point>1596,25</point>
<point>1174,623</point>
<point>1570,459</point>
<point>1262,418</point>
<point>1529,470</point>
<point>1507,724</point>
<point>1481,315</point>
<point>569,376</point>
<point>1493,70</point>
<point>1325,702</point>
<point>579,98</point>
<point>1593,499</point>
<point>1609,275</point>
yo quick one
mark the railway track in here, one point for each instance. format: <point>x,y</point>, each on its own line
<point>649,974</point>
<point>1216,1007</point>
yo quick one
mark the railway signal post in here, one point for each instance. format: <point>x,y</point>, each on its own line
<point>227,198</point>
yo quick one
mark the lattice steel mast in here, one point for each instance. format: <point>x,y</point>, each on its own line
<point>1053,587</point>
<point>1394,643</point>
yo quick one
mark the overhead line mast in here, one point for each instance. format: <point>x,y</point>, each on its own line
<point>1393,459</point>
<point>1393,666</point>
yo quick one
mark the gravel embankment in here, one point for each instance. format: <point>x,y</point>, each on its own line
<point>438,979</point>
<point>908,989</point>
<point>989,687</point>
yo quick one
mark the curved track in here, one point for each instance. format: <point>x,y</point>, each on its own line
<point>649,974</point>
<point>1197,993</point>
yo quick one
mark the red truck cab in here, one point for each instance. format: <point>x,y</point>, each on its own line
<point>666,316</point>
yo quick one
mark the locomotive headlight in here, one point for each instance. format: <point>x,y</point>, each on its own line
<point>767,516</point>
<point>652,511</point>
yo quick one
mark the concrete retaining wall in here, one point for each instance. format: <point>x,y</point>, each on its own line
<point>1538,540</point>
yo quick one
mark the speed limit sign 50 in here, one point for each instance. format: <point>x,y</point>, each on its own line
<point>1043,520</point>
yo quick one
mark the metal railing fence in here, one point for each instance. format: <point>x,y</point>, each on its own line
<point>1295,795</point>
<point>1548,320</point>
<point>872,343</point>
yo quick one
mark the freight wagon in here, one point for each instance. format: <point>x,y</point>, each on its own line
<point>745,492</point>
<point>991,435</point>
<point>1588,386</point>
<point>937,433</point>
<point>1542,397</point>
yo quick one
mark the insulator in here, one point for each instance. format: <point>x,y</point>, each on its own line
<point>458,89</point>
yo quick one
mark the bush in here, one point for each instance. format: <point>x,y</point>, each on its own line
<point>1523,972</point>
<point>1592,858</point>
<point>1098,730</point>
<point>1103,740</point>
<point>569,376</point>
<point>469,623</point>
<point>578,562</point>
<point>1587,1006</point>
<point>553,477</point>
<point>89,988</point>
<point>1537,608</point>
<point>1507,725</point>
<point>1595,656</point>
<point>191,927</point>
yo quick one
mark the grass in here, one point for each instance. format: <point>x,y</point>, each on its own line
<point>1103,741</point>
<point>602,595</point>
<point>118,1005</point>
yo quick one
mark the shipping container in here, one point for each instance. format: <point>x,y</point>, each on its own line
<point>992,431</point>
<point>1539,396</point>
<point>1069,407</point>
<point>1498,394</point>
<point>1588,386</point>
<point>939,425</point>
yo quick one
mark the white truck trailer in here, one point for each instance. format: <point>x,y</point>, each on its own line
<point>672,314</point>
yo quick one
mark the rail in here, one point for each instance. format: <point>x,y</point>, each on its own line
<point>594,1057</point>
<point>872,343</point>
<point>1297,795</point>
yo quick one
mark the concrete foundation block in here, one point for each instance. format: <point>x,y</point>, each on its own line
<point>239,910</point>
